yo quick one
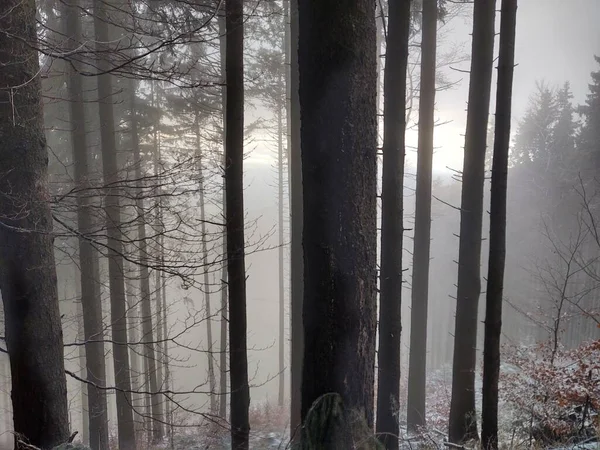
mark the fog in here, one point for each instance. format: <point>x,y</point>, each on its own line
<point>556,43</point>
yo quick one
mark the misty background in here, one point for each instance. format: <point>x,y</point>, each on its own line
<point>556,42</point>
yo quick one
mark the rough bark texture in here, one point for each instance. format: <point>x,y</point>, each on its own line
<point>234,188</point>
<point>118,309</point>
<point>296,212</point>
<point>338,134</point>
<point>224,320</point>
<point>27,273</point>
<point>417,376</point>
<point>145,297</point>
<point>463,421</point>
<point>392,227</point>
<point>496,263</point>
<point>91,302</point>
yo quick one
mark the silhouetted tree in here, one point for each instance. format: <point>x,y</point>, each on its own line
<point>589,136</point>
<point>145,300</point>
<point>234,190</point>
<point>534,133</point>
<point>91,301</point>
<point>392,224</point>
<point>33,330</point>
<point>417,376</point>
<point>118,306</point>
<point>463,421</point>
<point>337,94</point>
<point>296,213</point>
<point>497,257</point>
<point>224,292</point>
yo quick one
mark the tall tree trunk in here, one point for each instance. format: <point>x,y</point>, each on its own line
<point>392,210</point>
<point>223,340</point>
<point>158,223</point>
<point>134,311</point>
<point>145,298</point>
<point>234,189</point>
<point>296,214</point>
<point>112,208</point>
<point>339,157</point>
<point>85,415</point>
<point>165,350</point>
<point>91,301</point>
<point>210,354</point>
<point>497,258</point>
<point>379,19</point>
<point>420,277</point>
<point>147,414</point>
<point>6,424</point>
<point>280,200</point>
<point>463,420</point>
<point>33,330</point>
<point>224,291</point>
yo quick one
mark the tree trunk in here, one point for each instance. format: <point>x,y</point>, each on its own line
<point>134,312</point>
<point>390,324</point>
<point>224,315</point>
<point>280,200</point>
<point>339,138</point>
<point>6,425</point>
<point>210,354</point>
<point>296,213</point>
<point>496,263</point>
<point>417,375</point>
<point>145,298</point>
<point>85,415</point>
<point>165,350</point>
<point>91,301</point>
<point>463,420</point>
<point>234,189</point>
<point>158,225</point>
<point>33,332</point>
<point>118,309</point>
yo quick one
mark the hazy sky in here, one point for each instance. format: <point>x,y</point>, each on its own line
<point>556,41</point>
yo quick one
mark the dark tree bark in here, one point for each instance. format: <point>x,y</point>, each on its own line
<point>417,376</point>
<point>223,338</point>
<point>33,330</point>
<point>118,307</point>
<point>496,263</point>
<point>91,302</point>
<point>392,229</point>
<point>296,213</point>
<point>234,189</point>
<point>337,66</point>
<point>145,297</point>
<point>463,421</point>
<point>224,291</point>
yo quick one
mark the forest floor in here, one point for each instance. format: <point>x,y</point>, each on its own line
<point>269,430</point>
<point>269,425</point>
